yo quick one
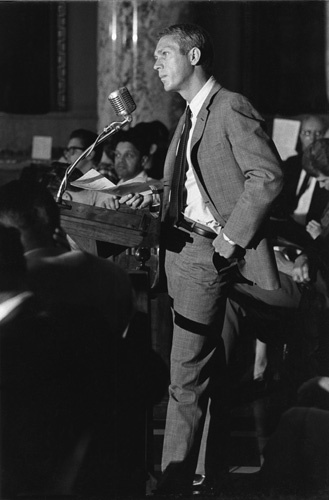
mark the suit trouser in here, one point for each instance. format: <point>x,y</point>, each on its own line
<point>199,290</point>
<point>198,365</point>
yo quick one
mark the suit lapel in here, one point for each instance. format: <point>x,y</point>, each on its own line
<point>203,115</point>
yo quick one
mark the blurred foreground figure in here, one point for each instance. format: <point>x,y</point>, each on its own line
<point>72,382</point>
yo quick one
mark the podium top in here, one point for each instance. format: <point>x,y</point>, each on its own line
<point>126,226</point>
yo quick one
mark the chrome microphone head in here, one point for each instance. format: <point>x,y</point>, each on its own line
<point>122,102</point>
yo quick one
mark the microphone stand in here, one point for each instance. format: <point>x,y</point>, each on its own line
<point>107,132</point>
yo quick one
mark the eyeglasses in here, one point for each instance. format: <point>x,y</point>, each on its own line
<point>316,133</point>
<point>72,150</point>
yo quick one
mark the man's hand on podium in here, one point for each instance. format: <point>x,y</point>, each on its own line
<point>132,200</point>
<point>137,200</point>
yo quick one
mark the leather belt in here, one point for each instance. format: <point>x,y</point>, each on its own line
<point>195,227</point>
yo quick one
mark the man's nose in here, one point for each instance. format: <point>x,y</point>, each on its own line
<point>157,65</point>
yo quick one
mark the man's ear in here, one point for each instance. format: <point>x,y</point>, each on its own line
<point>153,149</point>
<point>144,160</point>
<point>195,56</point>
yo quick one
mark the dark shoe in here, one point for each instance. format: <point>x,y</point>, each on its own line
<point>198,479</point>
<point>203,486</point>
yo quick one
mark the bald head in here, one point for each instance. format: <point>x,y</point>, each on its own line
<point>312,128</point>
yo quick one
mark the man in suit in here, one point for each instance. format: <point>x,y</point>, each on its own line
<point>214,236</point>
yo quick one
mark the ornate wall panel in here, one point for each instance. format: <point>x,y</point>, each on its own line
<point>127,31</point>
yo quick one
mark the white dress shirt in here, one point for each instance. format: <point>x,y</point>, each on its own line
<point>195,208</point>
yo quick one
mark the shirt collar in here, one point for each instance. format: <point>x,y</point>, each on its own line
<point>200,97</point>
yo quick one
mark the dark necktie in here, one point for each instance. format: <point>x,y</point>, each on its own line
<point>178,180</point>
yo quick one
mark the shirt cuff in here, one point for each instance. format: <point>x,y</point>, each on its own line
<point>228,239</point>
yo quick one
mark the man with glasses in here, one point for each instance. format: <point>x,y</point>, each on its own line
<point>301,199</point>
<point>79,141</point>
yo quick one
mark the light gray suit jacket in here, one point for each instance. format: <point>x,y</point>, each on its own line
<point>238,172</point>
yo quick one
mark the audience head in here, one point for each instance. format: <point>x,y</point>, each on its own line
<point>131,150</point>
<point>189,36</point>
<point>79,140</point>
<point>157,135</point>
<point>12,262</point>
<point>316,161</point>
<point>314,393</point>
<point>30,208</point>
<point>312,128</point>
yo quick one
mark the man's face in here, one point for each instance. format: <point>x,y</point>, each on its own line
<point>127,161</point>
<point>311,130</point>
<point>174,68</point>
<point>323,181</point>
<point>73,150</point>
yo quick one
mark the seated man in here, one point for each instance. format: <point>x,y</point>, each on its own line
<point>95,377</point>
<point>51,383</point>
<point>131,152</point>
<point>55,274</point>
<point>301,199</point>
<point>79,141</point>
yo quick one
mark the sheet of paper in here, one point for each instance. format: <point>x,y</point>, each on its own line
<point>136,187</point>
<point>41,147</point>
<point>93,180</point>
<point>285,136</point>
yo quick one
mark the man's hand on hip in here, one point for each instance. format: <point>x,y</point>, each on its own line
<point>223,247</point>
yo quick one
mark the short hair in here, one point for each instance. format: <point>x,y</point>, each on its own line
<point>134,135</point>
<point>314,393</point>
<point>189,36</point>
<point>318,118</point>
<point>29,207</point>
<point>12,260</point>
<point>316,158</point>
<point>87,138</point>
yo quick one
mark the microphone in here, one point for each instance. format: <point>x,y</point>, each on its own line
<point>123,105</point>
<point>122,102</point>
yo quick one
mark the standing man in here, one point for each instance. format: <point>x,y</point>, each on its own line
<point>214,234</point>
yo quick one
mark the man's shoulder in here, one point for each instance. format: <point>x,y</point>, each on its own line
<point>230,101</point>
<point>226,95</point>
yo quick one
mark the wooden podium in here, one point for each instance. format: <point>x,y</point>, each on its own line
<point>127,227</point>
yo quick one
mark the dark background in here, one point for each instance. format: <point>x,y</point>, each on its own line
<point>272,51</point>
